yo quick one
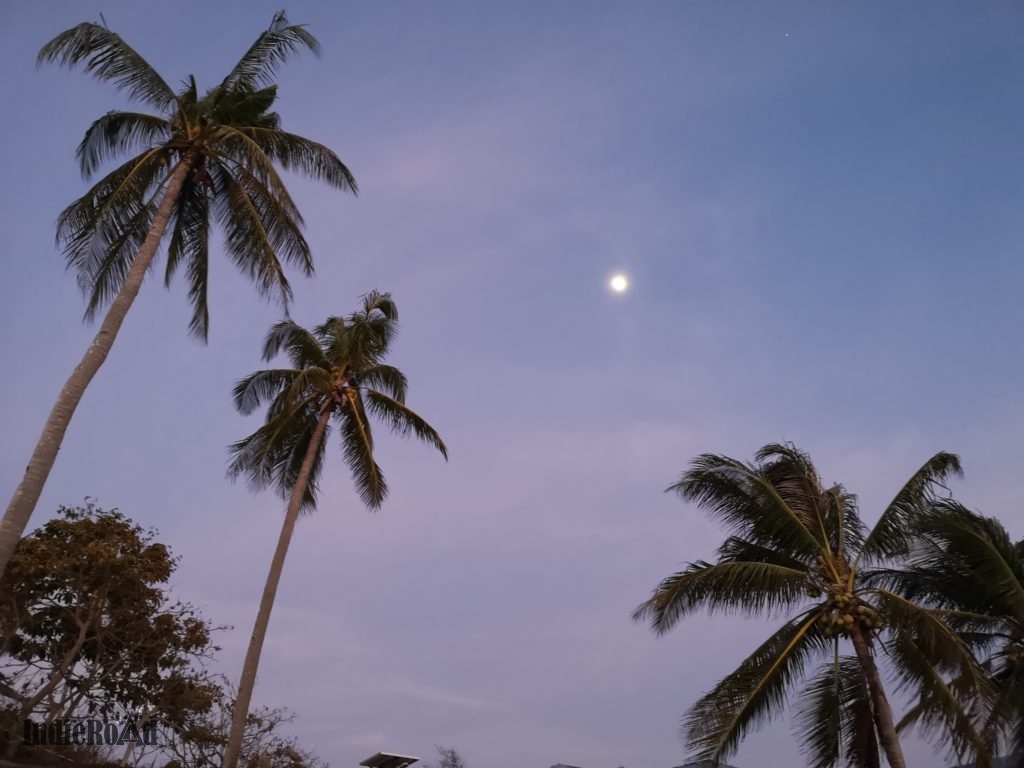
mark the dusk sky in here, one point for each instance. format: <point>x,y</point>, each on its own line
<point>818,205</point>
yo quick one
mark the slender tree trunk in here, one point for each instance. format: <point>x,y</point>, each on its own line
<point>240,711</point>
<point>883,712</point>
<point>25,498</point>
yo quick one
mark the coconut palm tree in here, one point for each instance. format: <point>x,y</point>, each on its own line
<point>337,375</point>
<point>195,162</point>
<point>799,549</point>
<point>966,565</point>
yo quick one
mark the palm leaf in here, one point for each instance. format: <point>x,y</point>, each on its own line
<point>793,477</point>
<point>732,587</point>
<point>303,349</point>
<point>256,233</point>
<point>980,551</point>
<point>300,154</point>
<point>834,717</point>
<point>402,420</point>
<point>245,156</point>
<point>734,549</point>
<point>357,446</point>
<point>271,49</point>
<point>107,57</point>
<point>242,106</point>
<point>117,133</point>
<point>943,708</point>
<point>386,378</point>
<point>744,500</point>
<point>263,456</point>
<point>891,535</point>
<point>107,214</point>
<point>118,247</point>
<point>190,242</point>
<point>292,460</point>
<point>262,387</point>
<point>754,693</point>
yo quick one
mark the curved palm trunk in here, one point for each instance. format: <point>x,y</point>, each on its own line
<point>25,498</point>
<point>883,712</point>
<point>246,684</point>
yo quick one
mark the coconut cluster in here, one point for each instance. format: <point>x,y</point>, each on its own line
<point>846,611</point>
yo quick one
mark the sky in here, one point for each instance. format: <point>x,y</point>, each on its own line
<point>818,208</point>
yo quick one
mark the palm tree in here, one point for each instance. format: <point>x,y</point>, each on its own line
<point>197,161</point>
<point>966,565</point>
<point>337,374</point>
<point>798,548</point>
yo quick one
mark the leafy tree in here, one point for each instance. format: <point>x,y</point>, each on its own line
<point>798,548</point>
<point>89,627</point>
<point>338,375</point>
<point>200,741</point>
<point>196,162</point>
<point>967,566</point>
<point>448,757</point>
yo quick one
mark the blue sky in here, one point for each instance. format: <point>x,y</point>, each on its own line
<point>818,206</point>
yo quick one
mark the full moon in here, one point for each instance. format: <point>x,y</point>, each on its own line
<point>619,283</point>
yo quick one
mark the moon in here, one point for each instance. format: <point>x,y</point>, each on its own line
<point>619,283</point>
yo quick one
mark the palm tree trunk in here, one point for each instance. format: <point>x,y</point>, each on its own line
<point>883,712</point>
<point>25,498</point>
<point>240,711</point>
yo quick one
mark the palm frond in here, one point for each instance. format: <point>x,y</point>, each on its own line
<point>114,257</point>
<point>242,106</point>
<point>990,571</point>
<point>380,302</point>
<point>262,387</point>
<point>944,706</point>
<point>292,460</point>
<point>190,242</point>
<point>754,693</point>
<point>258,233</point>
<point>271,49</point>
<point>105,56</point>
<point>245,156</point>
<point>310,158</point>
<point>113,212</point>
<point>302,347</point>
<point>1003,723</point>
<point>933,637</point>
<point>386,378</point>
<point>734,549</point>
<point>368,332</point>
<point>357,446</point>
<point>843,522</point>
<point>744,500</point>
<point>892,533</point>
<point>743,587</point>
<point>791,474</point>
<point>117,133</point>
<point>264,457</point>
<point>817,720</point>
<point>834,718</point>
<point>402,420</point>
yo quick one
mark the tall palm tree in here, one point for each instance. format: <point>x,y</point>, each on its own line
<point>966,565</point>
<point>338,375</point>
<point>196,162</point>
<point>798,548</point>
